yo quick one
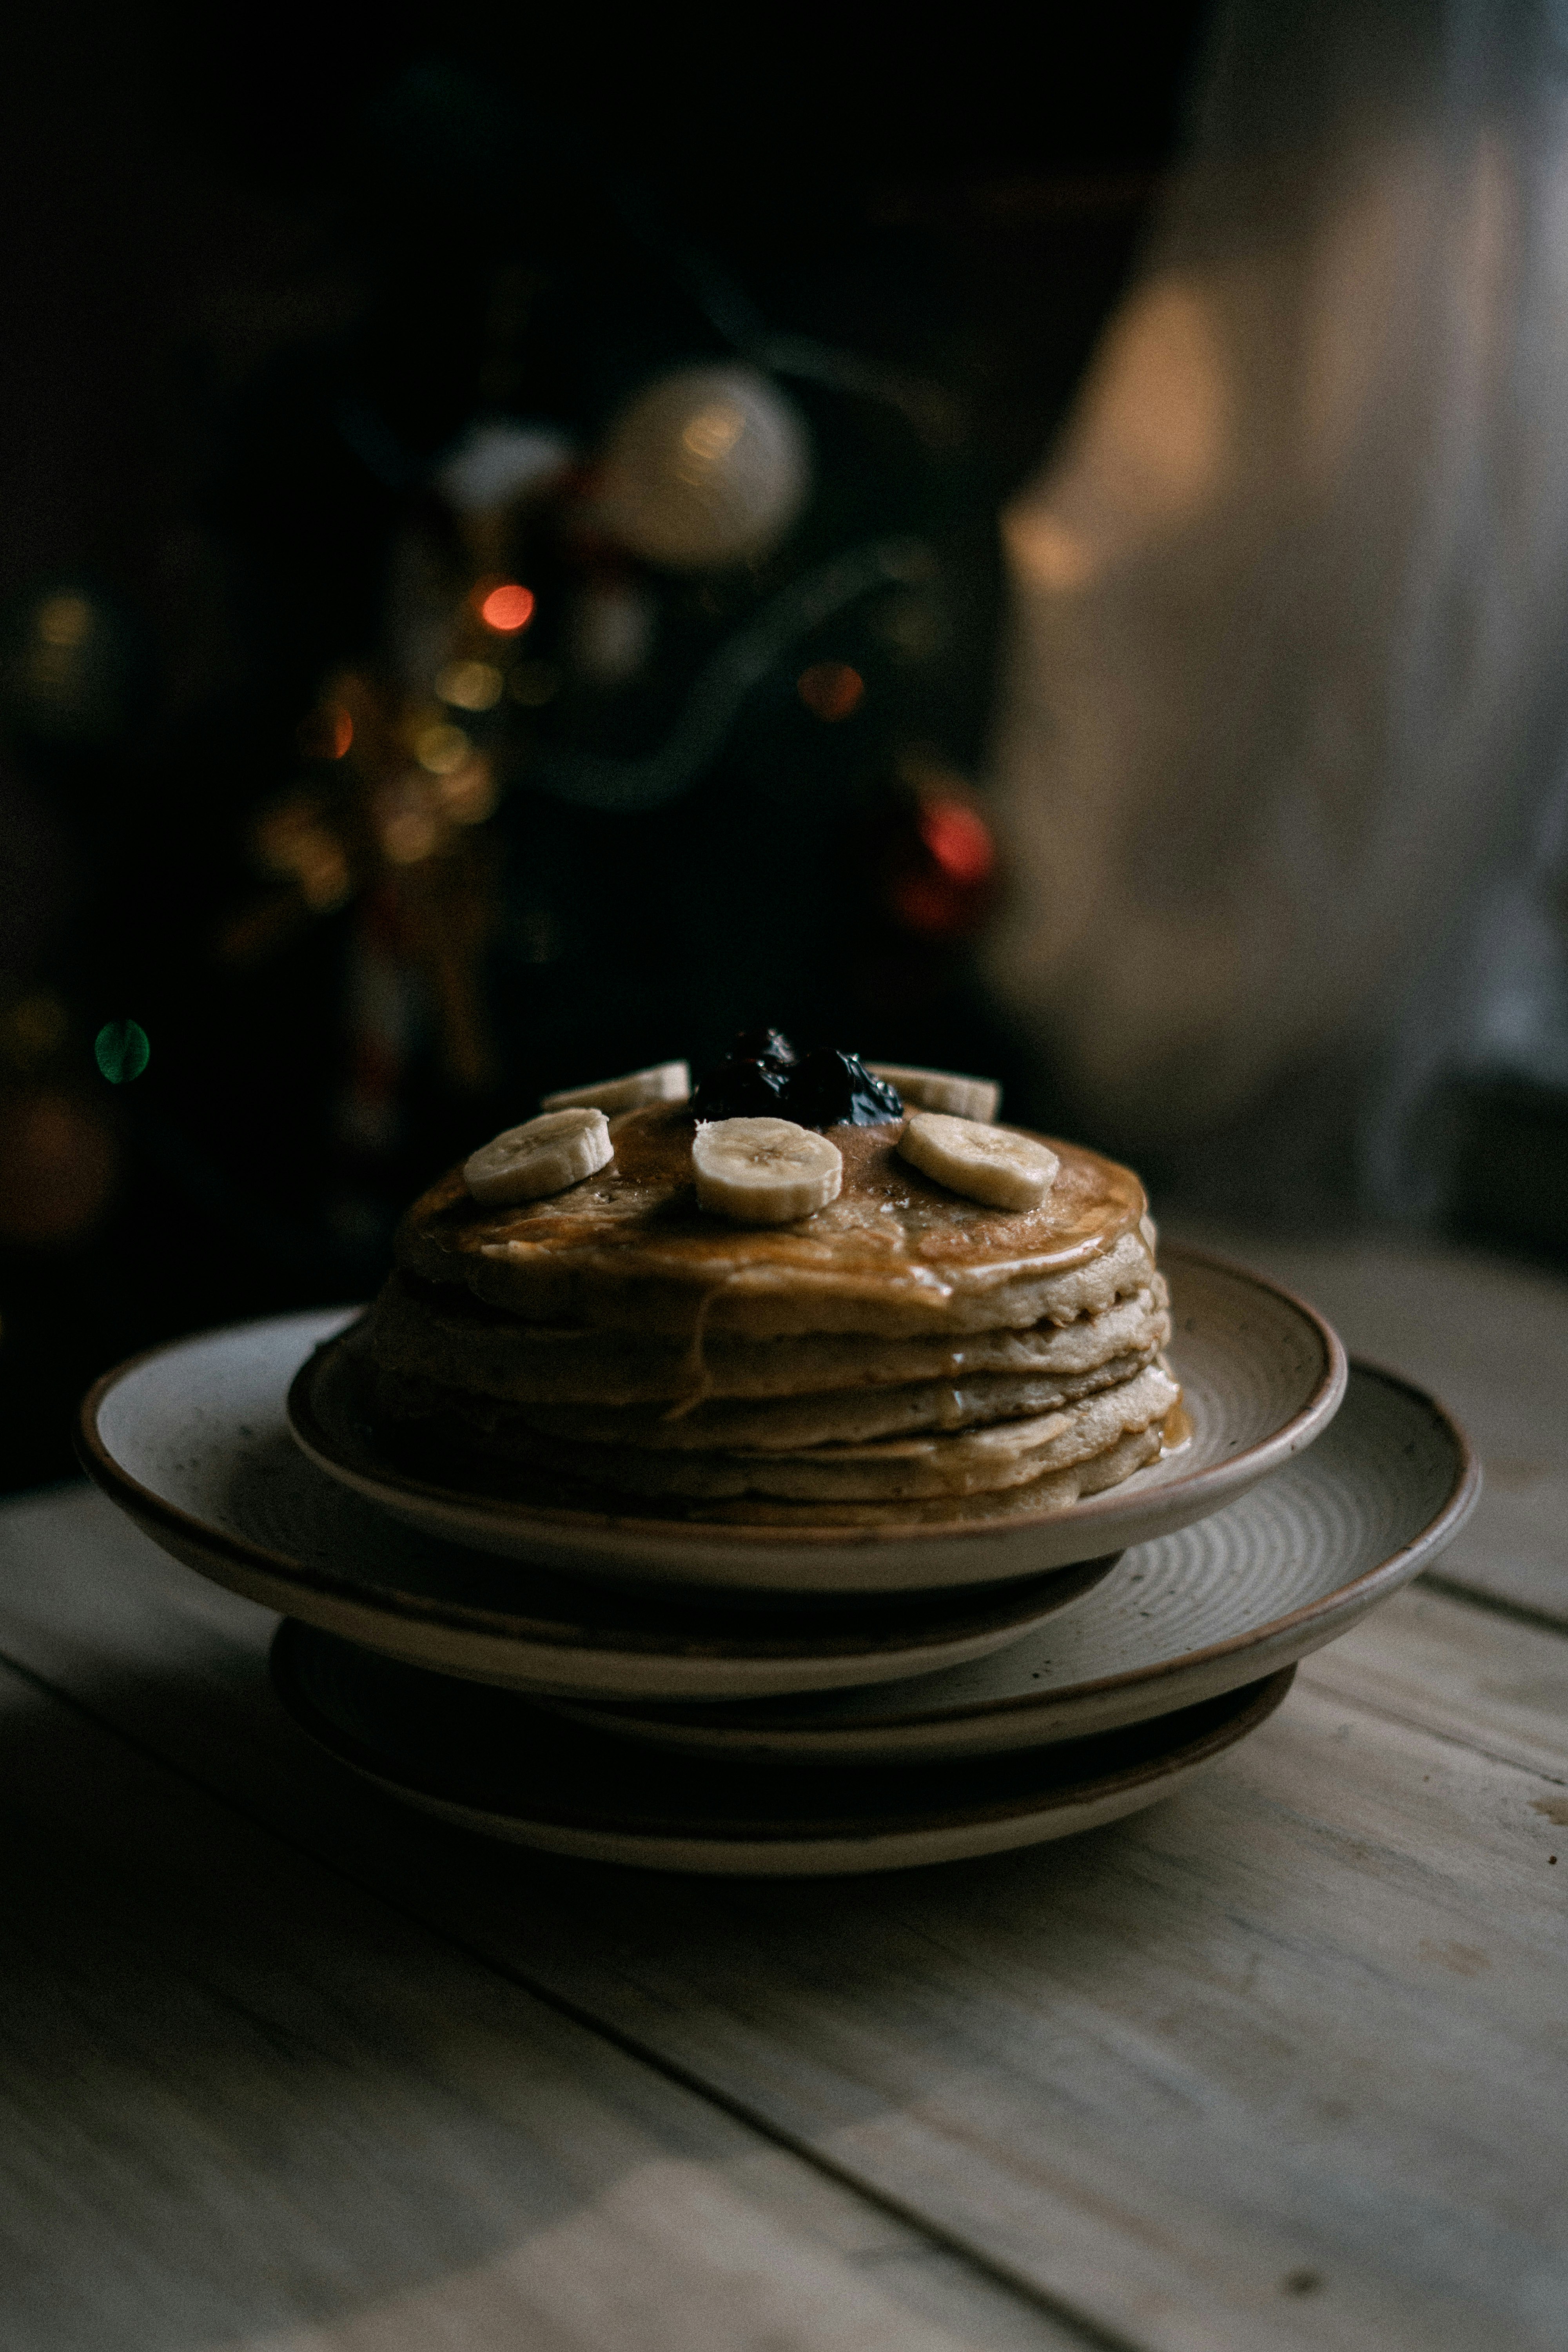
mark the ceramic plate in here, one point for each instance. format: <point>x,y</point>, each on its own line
<point>491,1761</point>
<point>1273,1575</point>
<point>1261,1374</point>
<point>191,1441</point>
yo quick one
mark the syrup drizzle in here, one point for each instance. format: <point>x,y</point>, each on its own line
<point>1176,1430</point>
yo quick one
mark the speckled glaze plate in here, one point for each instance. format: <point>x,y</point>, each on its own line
<point>491,1762</point>
<point>1262,1376</point>
<point>1275,1575</point>
<point>191,1441</point>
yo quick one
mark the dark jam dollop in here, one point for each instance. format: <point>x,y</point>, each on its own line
<point>743,1086</point>
<point>827,1088</point>
<point>763,1045</point>
<point>762,1076</point>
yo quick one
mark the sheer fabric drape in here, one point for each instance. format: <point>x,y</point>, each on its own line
<point>1284,711</point>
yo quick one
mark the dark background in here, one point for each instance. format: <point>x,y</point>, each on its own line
<point>257,276</point>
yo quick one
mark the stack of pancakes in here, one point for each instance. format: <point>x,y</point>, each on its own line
<point>901,1354</point>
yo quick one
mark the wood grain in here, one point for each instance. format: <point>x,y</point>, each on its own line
<point>244,2103</point>
<point>1280,2063</point>
<point>1419,1660</point>
<point>1488,1337</point>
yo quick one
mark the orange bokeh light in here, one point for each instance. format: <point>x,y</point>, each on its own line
<point>507,608</point>
<point>327,733</point>
<point>831,689</point>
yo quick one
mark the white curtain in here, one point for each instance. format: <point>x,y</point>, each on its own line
<point>1282,737</point>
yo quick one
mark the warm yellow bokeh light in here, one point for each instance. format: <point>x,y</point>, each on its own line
<point>65,621</point>
<point>468,795</point>
<point>441,749</point>
<point>713,431</point>
<point>408,836</point>
<point>1049,551</point>
<point>470,685</point>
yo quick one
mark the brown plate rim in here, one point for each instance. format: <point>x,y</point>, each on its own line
<point>1256,1700</point>
<point>1280,1443</point>
<point>1391,1572</point>
<point>161,1519</point>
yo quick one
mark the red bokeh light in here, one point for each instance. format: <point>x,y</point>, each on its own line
<point>830,690</point>
<point>507,608</point>
<point>943,882</point>
<point>959,840</point>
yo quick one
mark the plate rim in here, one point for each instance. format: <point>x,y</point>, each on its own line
<point>1259,1700</point>
<point>1367,1588</point>
<point>1237,1470</point>
<point>142,1503</point>
<point>183,1533</point>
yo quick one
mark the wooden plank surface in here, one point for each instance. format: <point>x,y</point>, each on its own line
<point>1490,1338</point>
<point>1423,1660</point>
<point>1281,2062</point>
<point>244,2103</point>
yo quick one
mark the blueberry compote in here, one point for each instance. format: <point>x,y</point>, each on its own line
<point>762,1076</point>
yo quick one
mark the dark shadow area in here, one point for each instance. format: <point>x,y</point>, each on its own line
<point>265,281</point>
<point>1512,1161</point>
<point>237,2099</point>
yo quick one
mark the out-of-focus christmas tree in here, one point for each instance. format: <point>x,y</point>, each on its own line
<point>569,641</point>
<point>660,698</point>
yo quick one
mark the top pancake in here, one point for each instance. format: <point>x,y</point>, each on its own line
<point>629,1249</point>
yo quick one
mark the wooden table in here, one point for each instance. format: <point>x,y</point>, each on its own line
<point>1283,2061</point>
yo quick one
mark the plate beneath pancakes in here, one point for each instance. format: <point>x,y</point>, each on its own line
<point>191,1441</point>
<point>1276,1574</point>
<point>1262,1376</point>
<point>493,1762</point>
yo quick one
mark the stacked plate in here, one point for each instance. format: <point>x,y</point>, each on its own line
<point>567,1678</point>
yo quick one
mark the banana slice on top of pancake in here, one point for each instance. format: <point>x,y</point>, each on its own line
<point>992,1164</point>
<point>765,1171</point>
<point>660,1082</point>
<point>946,1090</point>
<point>544,1155</point>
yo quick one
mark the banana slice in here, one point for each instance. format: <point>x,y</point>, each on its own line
<point>764,1171</point>
<point>544,1155</point>
<point>663,1082</point>
<point>948,1090</point>
<point>993,1164</point>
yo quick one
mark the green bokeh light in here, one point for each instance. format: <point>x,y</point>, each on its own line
<point>121,1051</point>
